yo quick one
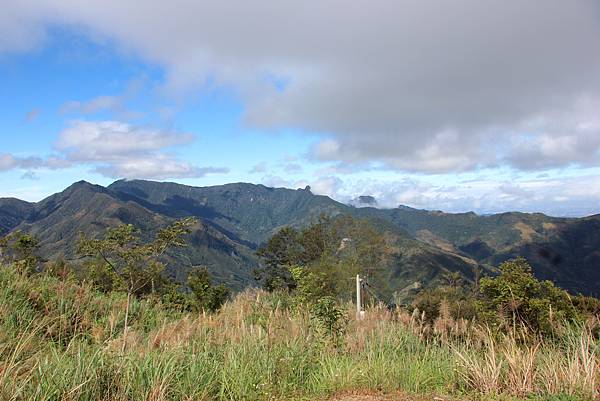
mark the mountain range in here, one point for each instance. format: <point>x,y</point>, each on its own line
<point>235,219</point>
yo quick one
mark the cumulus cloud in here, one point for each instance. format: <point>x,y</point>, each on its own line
<point>159,167</point>
<point>113,140</point>
<point>418,85</point>
<point>120,150</point>
<point>116,150</point>
<point>328,186</point>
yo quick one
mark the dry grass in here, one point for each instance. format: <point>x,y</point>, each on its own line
<point>257,349</point>
<point>522,368</point>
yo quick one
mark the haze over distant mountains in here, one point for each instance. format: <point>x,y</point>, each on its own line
<point>234,219</point>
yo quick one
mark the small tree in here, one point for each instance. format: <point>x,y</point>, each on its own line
<point>315,294</point>
<point>21,249</point>
<point>517,298</point>
<point>283,250</point>
<point>208,296</point>
<point>134,266</point>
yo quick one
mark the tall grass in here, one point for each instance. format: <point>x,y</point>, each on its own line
<point>60,340</point>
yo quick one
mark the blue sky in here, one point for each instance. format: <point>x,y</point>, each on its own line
<point>407,101</point>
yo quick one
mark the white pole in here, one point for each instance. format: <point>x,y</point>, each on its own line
<point>359,314</point>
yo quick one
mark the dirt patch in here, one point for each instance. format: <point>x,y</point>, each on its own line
<point>432,239</point>
<point>527,232</point>
<point>375,396</point>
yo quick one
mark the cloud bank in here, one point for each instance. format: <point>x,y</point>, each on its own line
<point>419,85</point>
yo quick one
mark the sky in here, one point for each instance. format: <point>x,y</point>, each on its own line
<point>463,105</point>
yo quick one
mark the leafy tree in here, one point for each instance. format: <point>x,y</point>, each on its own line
<point>318,265</point>
<point>284,249</point>
<point>311,284</point>
<point>20,249</point>
<point>329,318</point>
<point>122,261</point>
<point>518,299</point>
<point>335,248</point>
<point>208,296</point>
<point>313,292</point>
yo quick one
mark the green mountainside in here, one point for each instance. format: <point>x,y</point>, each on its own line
<point>564,250</point>
<point>251,212</point>
<point>12,213</point>
<point>235,219</point>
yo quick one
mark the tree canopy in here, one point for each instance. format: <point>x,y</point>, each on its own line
<point>331,251</point>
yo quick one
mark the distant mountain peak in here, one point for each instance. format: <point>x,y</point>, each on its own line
<point>82,184</point>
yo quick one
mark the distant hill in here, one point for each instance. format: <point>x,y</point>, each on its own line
<point>234,219</point>
<point>12,213</point>
<point>564,250</point>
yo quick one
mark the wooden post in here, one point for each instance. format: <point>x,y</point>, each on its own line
<point>359,311</point>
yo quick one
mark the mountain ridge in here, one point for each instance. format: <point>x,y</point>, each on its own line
<point>234,219</point>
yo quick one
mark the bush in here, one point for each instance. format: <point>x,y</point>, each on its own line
<point>329,318</point>
<point>517,299</point>
<point>313,293</point>
<point>208,297</point>
<point>459,301</point>
<point>20,250</point>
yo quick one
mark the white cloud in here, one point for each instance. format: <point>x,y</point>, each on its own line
<point>565,196</point>
<point>120,150</point>
<point>156,167</point>
<point>116,150</point>
<point>276,182</point>
<point>328,186</point>
<point>113,140</point>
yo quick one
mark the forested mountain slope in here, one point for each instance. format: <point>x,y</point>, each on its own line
<point>235,219</point>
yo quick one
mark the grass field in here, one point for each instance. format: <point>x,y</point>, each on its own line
<point>60,340</point>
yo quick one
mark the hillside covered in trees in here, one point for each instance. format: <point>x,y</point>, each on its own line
<point>234,220</point>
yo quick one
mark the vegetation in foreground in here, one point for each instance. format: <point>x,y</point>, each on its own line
<point>116,328</point>
<point>63,340</point>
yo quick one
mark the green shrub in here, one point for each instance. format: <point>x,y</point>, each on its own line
<point>208,297</point>
<point>517,299</point>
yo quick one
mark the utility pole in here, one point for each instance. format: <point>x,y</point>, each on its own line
<point>360,313</point>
